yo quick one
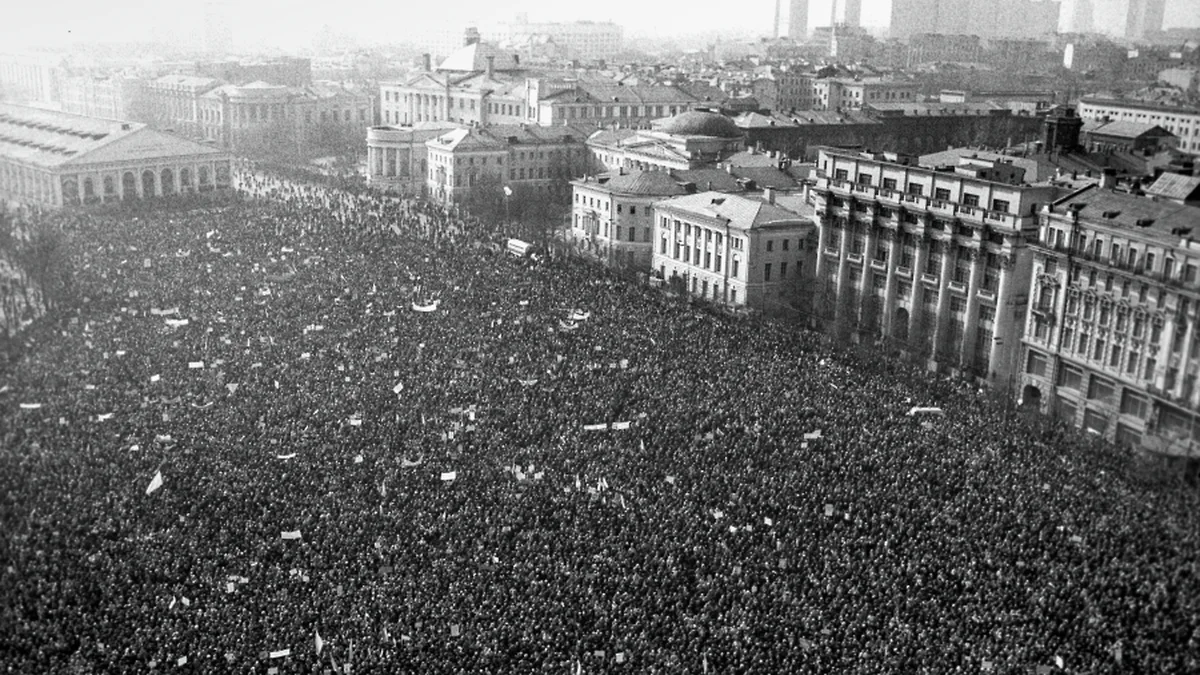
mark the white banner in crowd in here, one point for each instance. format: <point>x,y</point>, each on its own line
<point>176,323</point>
<point>294,534</point>
<point>450,475</point>
<point>431,307</point>
<point>281,653</point>
<point>155,482</point>
<point>31,406</point>
<point>917,410</point>
<point>195,365</point>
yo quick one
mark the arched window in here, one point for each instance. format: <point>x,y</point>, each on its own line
<point>110,186</point>
<point>185,179</point>
<point>148,184</point>
<point>168,182</point>
<point>129,185</point>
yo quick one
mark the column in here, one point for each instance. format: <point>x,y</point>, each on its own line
<point>972,315</point>
<point>1185,350</point>
<point>918,299</point>
<point>889,291</point>
<point>943,302</point>
<point>822,241</point>
<point>843,251</point>
<point>866,274</point>
<point>1008,328</point>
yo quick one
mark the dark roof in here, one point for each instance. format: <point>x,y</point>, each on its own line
<point>1161,220</point>
<point>700,123</point>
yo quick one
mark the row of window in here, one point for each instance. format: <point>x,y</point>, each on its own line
<point>1123,254</point>
<point>968,199</point>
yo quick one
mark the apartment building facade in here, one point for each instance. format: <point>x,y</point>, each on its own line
<point>1110,341</point>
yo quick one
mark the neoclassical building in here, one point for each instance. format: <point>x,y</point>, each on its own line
<point>53,159</point>
<point>931,257</point>
<point>397,159</point>
<point>688,140</point>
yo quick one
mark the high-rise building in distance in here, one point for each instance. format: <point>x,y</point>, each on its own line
<point>798,19</point>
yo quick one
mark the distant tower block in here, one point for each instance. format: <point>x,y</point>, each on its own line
<point>775,26</point>
<point>852,12</point>
<point>798,20</point>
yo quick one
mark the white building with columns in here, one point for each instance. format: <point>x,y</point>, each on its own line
<point>931,257</point>
<point>53,159</point>
<point>731,249</point>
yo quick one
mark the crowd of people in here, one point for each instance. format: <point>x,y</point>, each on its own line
<point>313,431</point>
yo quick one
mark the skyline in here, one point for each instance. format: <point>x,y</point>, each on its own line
<point>277,23</point>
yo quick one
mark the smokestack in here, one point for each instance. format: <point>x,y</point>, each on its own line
<point>1108,179</point>
<point>426,62</point>
<point>491,65</point>
<point>777,5</point>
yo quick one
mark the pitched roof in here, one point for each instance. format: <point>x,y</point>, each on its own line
<point>742,212</point>
<point>473,58</point>
<point>1124,129</point>
<point>1176,186</point>
<point>49,138</point>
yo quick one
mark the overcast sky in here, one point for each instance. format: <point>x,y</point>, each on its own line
<point>289,23</point>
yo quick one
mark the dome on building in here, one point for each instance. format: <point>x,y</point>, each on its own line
<point>700,123</point>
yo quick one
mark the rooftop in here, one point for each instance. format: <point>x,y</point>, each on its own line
<point>49,138</point>
<point>1124,129</point>
<point>741,212</point>
<point>1158,219</point>
<point>1176,186</point>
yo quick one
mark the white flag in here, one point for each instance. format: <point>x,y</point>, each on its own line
<point>155,482</point>
<point>320,642</point>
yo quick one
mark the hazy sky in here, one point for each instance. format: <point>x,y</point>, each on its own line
<point>288,23</point>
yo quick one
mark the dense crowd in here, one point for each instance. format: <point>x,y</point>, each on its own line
<point>387,445</point>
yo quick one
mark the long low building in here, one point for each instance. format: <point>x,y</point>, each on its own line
<point>53,159</point>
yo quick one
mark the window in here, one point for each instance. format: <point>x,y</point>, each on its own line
<point>889,183</point>
<point>735,267</point>
<point>1100,389</point>
<point>1036,364</point>
<point>1070,377</point>
<point>841,174</point>
<point>916,189</point>
<point>785,244</point>
<point>770,245</point>
<point>864,179</point>
<point>969,199</point>
<point>941,194</point>
<point>767,272</point>
<point>1000,205</point>
<point>783,270</point>
<point>1149,258</point>
<point>1151,366</point>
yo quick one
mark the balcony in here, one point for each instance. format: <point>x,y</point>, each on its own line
<point>890,197</point>
<point>863,189</point>
<point>972,214</point>
<point>854,257</point>
<point>879,264</point>
<point>929,278</point>
<point>831,250</point>
<point>987,294</point>
<point>904,271</point>
<point>958,286</point>
<point>941,208</point>
<point>916,201</point>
